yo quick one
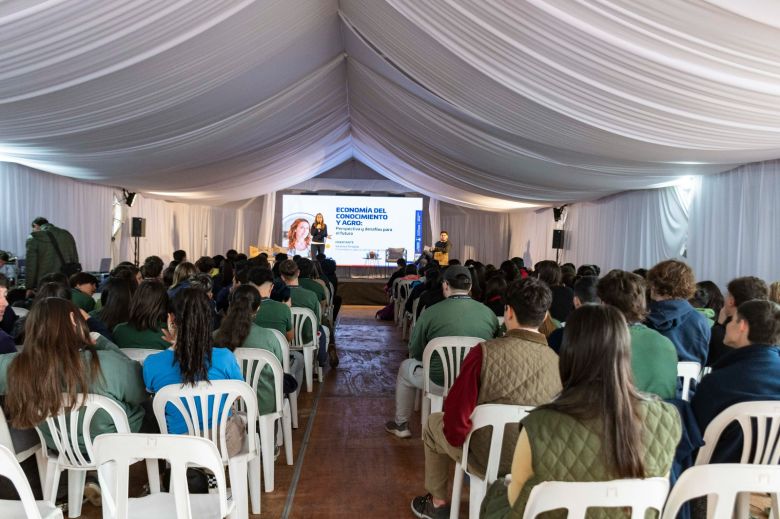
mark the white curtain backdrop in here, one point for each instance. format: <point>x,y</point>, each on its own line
<point>530,235</point>
<point>267,220</point>
<point>480,235</point>
<point>735,224</point>
<point>434,216</point>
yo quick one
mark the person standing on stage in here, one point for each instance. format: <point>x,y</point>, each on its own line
<point>319,232</point>
<point>442,246</point>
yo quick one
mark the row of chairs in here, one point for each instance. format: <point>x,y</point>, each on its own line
<point>68,427</point>
<point>727,484</point>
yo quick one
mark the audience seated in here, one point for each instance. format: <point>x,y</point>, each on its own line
<point>495,286</point>
<point>181,278</point>
<point>599,428</point>
<point>82,288</point>
<point>272,314</point>
<point>115,303</point>
<point>304,298</point>
<point>562,296</point>
<point>433,292</point>
<point>152,268</point>
<point>148,318</point>
<point>517,369</point>
<point>192,359</point>
<point>7,344</point>
<point>59,357</point>
<point>457,315</point>
<point>748,373</point>
<point>653,356</point>
<point>584,293</point>
<point>739,290</point>
<point>238,330</point>
<point>708,300</point>
<point>671,285</point>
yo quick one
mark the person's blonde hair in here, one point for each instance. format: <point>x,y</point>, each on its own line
<point>183,272</point>
<point>774,292</point>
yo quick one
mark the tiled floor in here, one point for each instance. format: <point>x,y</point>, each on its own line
<point>351,467</point>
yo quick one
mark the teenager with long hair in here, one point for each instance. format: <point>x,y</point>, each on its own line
<point>59,357</point>
<point>181,278</point>
<point>620,433</point>
<point>115,302</point>
<point>148,317</point>
<point>239,330</point>
<point>192,359</point>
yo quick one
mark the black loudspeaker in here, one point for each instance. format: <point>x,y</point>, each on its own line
<point>138,227</point>
<point>557,239</point>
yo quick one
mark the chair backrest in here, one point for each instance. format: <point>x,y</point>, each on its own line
<point>114,453</point>
<point>211,402</point>
<point>5,433</point>
<point>760,423</point>
<point>395,253</point>
<point>415,305</point>
<point>404,287</point>
<point>451,351</point>
<point>394,291</point>
<point>576,498</point>
<point>500,320</point>
<point>66,431</point>
<point>497,416</point>
<point>725,480</point>
<point>688,371</point>
<point>285,347</point>
<point>20,312</point>
<point>252,362</point>
<point>10,468</point>
<point>303,317</point>
<point>139,354</point>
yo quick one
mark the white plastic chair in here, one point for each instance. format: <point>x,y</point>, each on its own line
<point>725,484</point>
<point>65,432</point>
<point>115,452</point>
<point>20,312</point>
<point>223,394</point>
<point>27,507</point>
<point>451,351</point>
<point>252,362</point>
<point>303,317</point>
<point>139,354</point>
<point>688,371</point>
<point>292,397</point>
<point>760,424</point>
<point>36,450</point>
<point>497,416</point>
<point>500,319</point>
<point>404,288</point>
<point>576,497</point>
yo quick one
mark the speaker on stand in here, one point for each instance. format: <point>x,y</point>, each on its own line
<point>557,242</point>
<point>137,230</point>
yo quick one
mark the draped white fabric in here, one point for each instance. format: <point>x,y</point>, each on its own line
<point>735,224</point>
<point>475,234</point>
<point>482,104</point>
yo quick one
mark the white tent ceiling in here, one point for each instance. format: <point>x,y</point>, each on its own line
<point>486,104</point>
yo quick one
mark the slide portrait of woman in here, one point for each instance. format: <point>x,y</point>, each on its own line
<point>298,238</point>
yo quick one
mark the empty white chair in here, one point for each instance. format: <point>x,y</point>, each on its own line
<point>292,397</point>
<point>302,318</point>
<point>27,507</point>
<point>65,432</point>
<point>40,455</point>
<point>723,483</point>
<point>252,362</point>
<point>451,351</point>
<point>498,416</point>
<point>637,494</point>
<point>139,354</point>
<point>192,403</point>
<point>115,452</point>
<point>688,371</point>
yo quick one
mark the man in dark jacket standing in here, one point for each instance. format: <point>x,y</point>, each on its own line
<point>749,373</point>
<point>42,257</point>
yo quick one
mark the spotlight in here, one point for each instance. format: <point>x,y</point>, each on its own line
<point>129,197</point>
<point>558,212</point>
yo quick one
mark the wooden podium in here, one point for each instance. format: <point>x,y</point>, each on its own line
<point>442,257</point>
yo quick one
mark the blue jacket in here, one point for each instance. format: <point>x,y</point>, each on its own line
<point>745,374</point>
<point>688,329</point>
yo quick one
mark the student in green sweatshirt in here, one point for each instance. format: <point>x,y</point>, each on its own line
<point>147,324</point>
<point>653,356</point>
<point>82,287</point>
<point>238,330</point>
<point>59,357</point>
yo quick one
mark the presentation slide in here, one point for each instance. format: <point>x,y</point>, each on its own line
<point>360,228</point>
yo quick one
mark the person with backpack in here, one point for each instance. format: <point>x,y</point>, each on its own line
<point>49,249</point>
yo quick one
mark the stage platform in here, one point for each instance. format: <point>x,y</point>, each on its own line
<point>363,291</point>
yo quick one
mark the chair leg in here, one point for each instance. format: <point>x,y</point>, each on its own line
<point>477,491</point>
<point>42,462</point>
<point>238,487</point>
<point>293,399</point>
<point>287,433</point>
<point>76,480</point>
<point>775,507</point>
<point>153,473</point>
<point>52,480</point>
<point>267,444</point>
<point>308,368</point>
<point>457,490</point>
<point>254,484</point>
<point>743,505</point>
